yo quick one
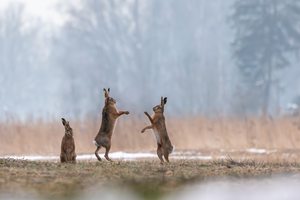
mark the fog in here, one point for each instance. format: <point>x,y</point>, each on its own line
<point>191,51</point>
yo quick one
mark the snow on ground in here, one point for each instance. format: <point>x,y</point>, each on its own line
<point>114,155</point>
<point>190,155</point>
<point>260,151</point>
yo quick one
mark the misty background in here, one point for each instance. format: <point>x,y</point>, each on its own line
<point>210,58</point>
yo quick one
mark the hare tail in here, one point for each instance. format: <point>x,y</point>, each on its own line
<point>95,143</point>
<point>172,149</point>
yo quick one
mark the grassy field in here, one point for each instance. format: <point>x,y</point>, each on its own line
<point>146,179</point>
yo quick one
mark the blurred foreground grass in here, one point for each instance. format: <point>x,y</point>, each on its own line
<point>147,179</point>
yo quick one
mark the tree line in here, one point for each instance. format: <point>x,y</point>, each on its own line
<point>210,58</point>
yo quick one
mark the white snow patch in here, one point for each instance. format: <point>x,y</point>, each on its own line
<point>118,155</point>
<point>188,155</point>
<point>192,157</point>
<point>115,155</point>
<point>32,158</point>
<point>259,151</point>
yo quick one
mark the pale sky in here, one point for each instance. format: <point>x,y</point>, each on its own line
<point>45,10</point>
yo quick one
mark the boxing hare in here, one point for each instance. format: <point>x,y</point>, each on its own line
<point>110,115</point>
<point>158,125</point>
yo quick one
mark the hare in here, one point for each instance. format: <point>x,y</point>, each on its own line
<point>110,115</point>
<point>67,144</point>
<point>158,125</point>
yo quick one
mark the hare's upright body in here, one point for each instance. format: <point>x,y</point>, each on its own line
<point>67,153</point>
<point>110,115</point>
<point>158,125</point>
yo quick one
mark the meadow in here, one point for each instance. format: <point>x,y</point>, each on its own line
<point>143,179</point>
<point>236,148</point>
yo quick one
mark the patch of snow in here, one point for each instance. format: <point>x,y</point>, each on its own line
<point>254,150</point>
<point>192,157</point>
<point>188,155</point>
<point>115,155</point>
<point>32,158</point>
<point>118,155</point>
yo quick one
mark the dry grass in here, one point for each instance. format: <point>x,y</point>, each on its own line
<point>196,133</point>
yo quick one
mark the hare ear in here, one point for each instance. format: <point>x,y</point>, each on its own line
<point>108,90</point>
<point>105,93</point>
<point>63,121</point>
<point>162,101</point>
<point>165,100</point>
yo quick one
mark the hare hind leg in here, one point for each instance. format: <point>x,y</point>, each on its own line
<point>96,153</point>
<point>62,158</point>
<point>166,155</point>
<point>160,153</point>
<point>107,148</point>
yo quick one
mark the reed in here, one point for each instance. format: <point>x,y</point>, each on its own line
<point>197,133</point>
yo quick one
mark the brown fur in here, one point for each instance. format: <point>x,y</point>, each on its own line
<point>67,144</point>
<point>158,125</point>
<point>110,115</point>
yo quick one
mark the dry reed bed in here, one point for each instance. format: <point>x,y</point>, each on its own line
<point>44,138</point>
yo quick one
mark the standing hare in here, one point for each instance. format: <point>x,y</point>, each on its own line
<point>110,115</point>
<point>67,153</point>
<point>158,125</point>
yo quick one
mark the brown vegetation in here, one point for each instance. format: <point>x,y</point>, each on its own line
<point>44,138</point>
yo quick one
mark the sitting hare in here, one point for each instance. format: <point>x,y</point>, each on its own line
<point>67,144</point>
